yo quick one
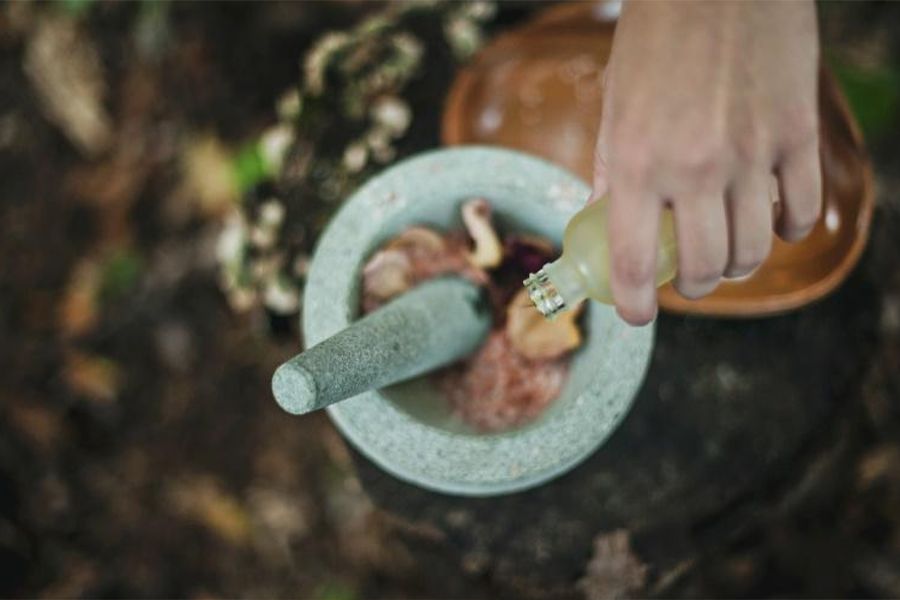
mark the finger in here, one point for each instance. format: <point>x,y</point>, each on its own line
<point>800,187</point>
<point>701,234</point>
<point>633,226</point>
<point>601,170</point>
<point>601,181</point>
<point>749,212</point>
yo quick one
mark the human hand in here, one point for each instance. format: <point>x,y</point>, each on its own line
<point>704,103</point>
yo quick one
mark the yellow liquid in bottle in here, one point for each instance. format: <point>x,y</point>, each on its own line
<point>583,269</point>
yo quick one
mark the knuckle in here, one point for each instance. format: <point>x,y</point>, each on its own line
<point>704,162</point>
<point>633,162</point>
<point>750,148</point>
<point>632,268</point>
<point>801,134</point>
<point>632,153</point>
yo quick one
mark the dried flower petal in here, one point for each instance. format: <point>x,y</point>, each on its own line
<point>488,251</point>
<point>535,337</point>
<point>527,253</point>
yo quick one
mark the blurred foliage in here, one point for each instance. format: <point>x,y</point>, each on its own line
<point>349,117</point>
<point>335,590</point>
<point>120,274</point>
<point>250,167</point>
<point>76,8</point>
<point>873,94</point>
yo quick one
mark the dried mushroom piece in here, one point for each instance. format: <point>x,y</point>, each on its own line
<point>488,252</point>
<point>413,256</point>
<point>388,273</point>
<point>419,240</point>
<point>535,337</point>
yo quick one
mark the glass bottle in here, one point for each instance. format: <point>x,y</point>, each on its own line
<point>583,269</point>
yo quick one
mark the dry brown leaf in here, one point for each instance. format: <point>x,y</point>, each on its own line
<point>79,306</point>
<point>534,336</point>
<point>40,424</point>
<point>614,571</point>
<point>488,252</point>
<point>204,501</point>
<point>208,175</point>
<point>64,68</point>
<point>95,377</point>
<point>877,464</point>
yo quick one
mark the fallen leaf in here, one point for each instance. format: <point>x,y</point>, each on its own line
<point>205,502</point>
<point>613,571</point>
<point>209,175</point>
<point>79,306</point>
<point>95,377</point>
<point>64,68</point>
<point>41,425</point>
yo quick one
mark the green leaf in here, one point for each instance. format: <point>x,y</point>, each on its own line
<point>335,590</point>
<point>250,167</point>
<point>873,95</point>
<point>120,274</point>
<point>75,8</point>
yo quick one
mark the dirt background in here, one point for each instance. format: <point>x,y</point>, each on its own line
<point>141,453</point>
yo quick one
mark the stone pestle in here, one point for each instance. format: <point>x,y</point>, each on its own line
<point>434,324</point>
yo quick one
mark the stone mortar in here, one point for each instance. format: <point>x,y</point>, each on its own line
<point>408,429</point>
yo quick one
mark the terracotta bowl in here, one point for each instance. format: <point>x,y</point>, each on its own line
<point>537,89</point>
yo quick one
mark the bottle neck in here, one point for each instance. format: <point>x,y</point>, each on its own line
<point>556,288</point>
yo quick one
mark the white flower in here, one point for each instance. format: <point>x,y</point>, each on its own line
<point>274,144</point>
<point>393,114</point>
<point>281,297</point>
<point>231,242</point>
<point>355,157</point>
